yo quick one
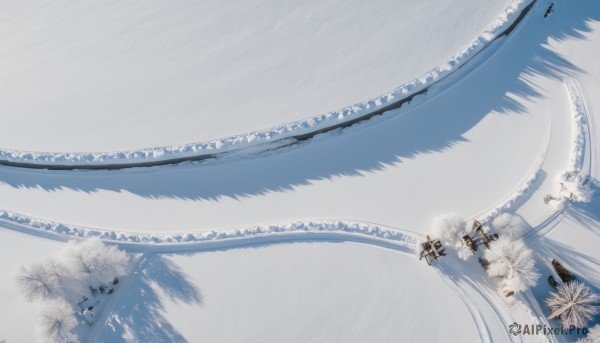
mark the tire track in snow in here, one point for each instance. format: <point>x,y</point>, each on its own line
<point>105,316</point>
<point>484,334</point>
<point>284,135</point>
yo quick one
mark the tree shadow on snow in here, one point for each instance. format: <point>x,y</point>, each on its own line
<point>139,317</point>
<point>502,84</point>
<point>583,266</point>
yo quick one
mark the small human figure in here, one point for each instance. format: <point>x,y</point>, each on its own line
<point>549,10</point>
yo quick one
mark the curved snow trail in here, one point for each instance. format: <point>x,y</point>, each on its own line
<point>367,174</point>
<point>580,128</point>
<point>279,136</point>
<point>578,154</point>
<point>513,198</point>
<point>580,160</point>
<point>367,233</point>
<point>401,241</point>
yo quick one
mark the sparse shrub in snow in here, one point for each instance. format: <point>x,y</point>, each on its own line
<point>574,181</point>
<point>574,303</point>
<point>41,281</point>
<point>36,284</point>
<point>508,224</point>
<point>593,335</point>
<point>449,228</point>
<point>513,261</point>
<point>57,322</point>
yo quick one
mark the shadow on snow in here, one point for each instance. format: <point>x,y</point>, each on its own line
<point>502,84</point>
<point>139,315</point>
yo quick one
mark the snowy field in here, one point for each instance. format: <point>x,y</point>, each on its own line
<point>87,76</point>
<point>318,240</point>
<point>289,292</point>
<point>16,250</point>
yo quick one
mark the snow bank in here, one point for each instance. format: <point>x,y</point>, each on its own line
<point>574,178</point>
<point>299,129</point>
<point>64,231</point>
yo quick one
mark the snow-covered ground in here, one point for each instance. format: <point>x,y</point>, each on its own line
<point>301,292</point>
<point>447,146</point>
<point>18,316</point>
<point>283,245</point>
<point>88,76</point>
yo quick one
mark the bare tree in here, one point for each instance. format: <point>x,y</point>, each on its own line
<point>513,261</point>
<point>574,303</point>
<point>57,322</point>
<point>36,282</point>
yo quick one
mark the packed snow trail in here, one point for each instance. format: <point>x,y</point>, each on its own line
<point>373,171</point>
<point>287,134</point>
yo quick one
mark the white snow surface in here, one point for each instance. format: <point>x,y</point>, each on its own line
<point>18,316</point>
<point>114,76</point>
<point>304,292</point>
<point>496,140</point>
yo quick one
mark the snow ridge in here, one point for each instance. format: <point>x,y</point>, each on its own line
<point>301,129</point>
<point>575,179</point>
<point>579,116</point>
<point>340,229</point>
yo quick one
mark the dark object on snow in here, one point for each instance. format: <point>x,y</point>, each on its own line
<point>83,299</point>
<point>484,263</point>
<point>90,308</point>
<point>476,225</point>
<point>93,290</point>
<point>552,282</point>
<point>549,10</point>
<point>110,291</point>
<point>484,238</point>
<point>468,242</point>
<point>115,281</point>
<point>102,289</point>
<point>432,249</point>
<point>564,274</point>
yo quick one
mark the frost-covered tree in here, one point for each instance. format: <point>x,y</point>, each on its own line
<point>50,280</point>
<point>593,335</point>
<point>57,322</point>
<point>82,265</point>
<point>574,303</point>
<point>575,187</point>
<point>463,251</point>
<point>449,227</point>
<point>513,261</point>
<point>95,263</point>
<point>509,224</point>
<point>38,282</point>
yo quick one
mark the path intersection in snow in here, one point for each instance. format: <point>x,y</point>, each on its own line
<point>320,171</point>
